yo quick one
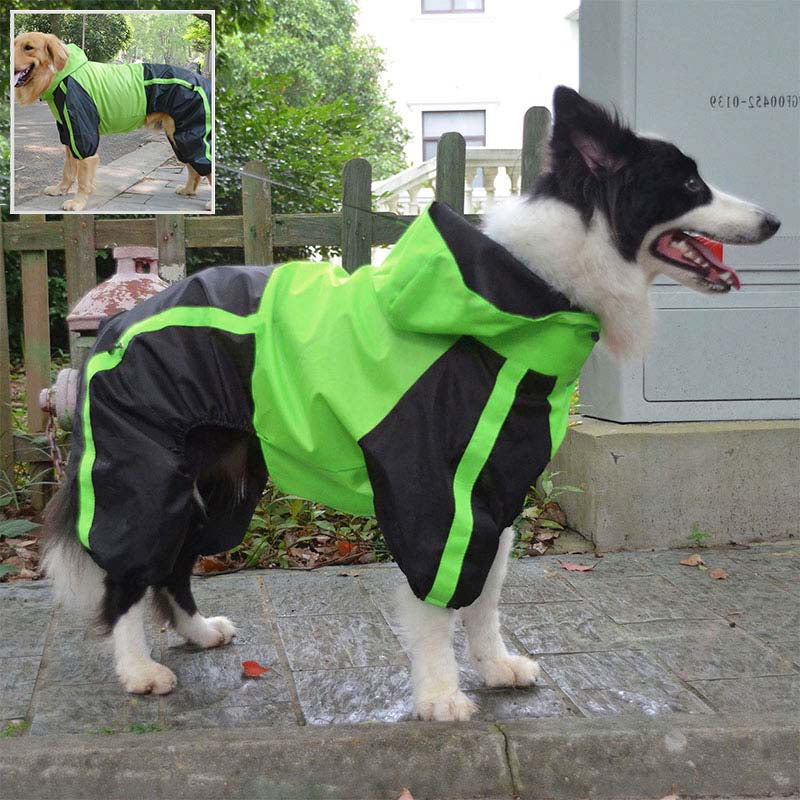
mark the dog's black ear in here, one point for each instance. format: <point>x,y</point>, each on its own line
<point>588,130</point>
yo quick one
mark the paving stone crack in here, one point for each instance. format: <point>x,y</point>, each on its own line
<point>272,621</point>
<point>515,784</point>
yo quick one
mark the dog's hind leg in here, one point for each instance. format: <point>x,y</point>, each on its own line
<point>428,633</point>
<point>123,611</point>
<point>482,622</point>
<point>177,604</point>
<point>193,179</point>
<point>67,177</point>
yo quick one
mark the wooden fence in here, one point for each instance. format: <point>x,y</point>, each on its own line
<point>356,229</point>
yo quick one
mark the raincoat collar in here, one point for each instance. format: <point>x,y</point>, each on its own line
<point>77,58</point>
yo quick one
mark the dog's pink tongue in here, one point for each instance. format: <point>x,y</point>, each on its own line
<point>712,252</point>
<point>18,76</point>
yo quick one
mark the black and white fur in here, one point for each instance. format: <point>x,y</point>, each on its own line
<point>603,221</point>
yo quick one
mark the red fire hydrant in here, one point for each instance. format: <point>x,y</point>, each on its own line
<point>135,279</point>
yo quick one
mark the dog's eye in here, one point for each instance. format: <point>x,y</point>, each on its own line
<point>27,47</point>
<point>693,184</point>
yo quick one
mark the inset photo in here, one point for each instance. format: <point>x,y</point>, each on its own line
<point>112,112</point>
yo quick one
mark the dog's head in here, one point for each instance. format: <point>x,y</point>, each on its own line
<point>655,202</point>
<point>37,58</point>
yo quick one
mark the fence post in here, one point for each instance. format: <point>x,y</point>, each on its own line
<point>6,422</point>
<point>79,265</point>
<point>257,214</point>
<point>535,128</point>
<point>450,170</point>
<point>36,328</point>
<point>171,237</point>
<point>356,214</point>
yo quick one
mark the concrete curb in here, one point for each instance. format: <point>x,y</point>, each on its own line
<point>566,758</point>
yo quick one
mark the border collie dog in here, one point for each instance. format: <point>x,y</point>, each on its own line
<point>431,390</point>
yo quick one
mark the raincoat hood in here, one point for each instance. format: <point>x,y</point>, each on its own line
<point>445,276</point>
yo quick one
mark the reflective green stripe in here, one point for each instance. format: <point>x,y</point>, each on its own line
<point>475,456</point>
<point>185,316</point>
<point>74,147</point>
<point>206,135</point>
<point>182,82</point>
<point>206,106</point>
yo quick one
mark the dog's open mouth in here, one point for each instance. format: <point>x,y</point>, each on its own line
<point>23,76</point>
<point>690,251</point>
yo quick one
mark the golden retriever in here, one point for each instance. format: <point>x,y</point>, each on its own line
<point>38,58</point>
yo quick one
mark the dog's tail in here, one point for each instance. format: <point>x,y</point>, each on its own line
<point>77,580</point>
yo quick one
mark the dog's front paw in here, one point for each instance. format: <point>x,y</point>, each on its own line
<point>186,190</point>
<point>445,707</point>
<point>55,191</point>
<point>212,632</point>
<point>147,677</point>
<point>509,671</point>
<point>74,205</point>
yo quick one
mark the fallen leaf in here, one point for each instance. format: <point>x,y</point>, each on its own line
<point>352,573</point>
<point>693,560</point>
<point>598,555</point>
<point>26,543</point>
<point>539,547</point>
<point>252,669</point>
<point>718,574</point>
<point>211,564</point>
<point>570,567</point>
<point>16,527</point>
<point>553,512</point>
<point>344,547</point>
<point>546,536</point>
<point>406,795</point>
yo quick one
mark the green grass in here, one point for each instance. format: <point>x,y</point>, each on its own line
<point>13,729</point>
<point>698,537</point>
<point>147,727</point>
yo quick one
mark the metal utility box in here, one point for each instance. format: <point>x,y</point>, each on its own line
<point>721,80</point>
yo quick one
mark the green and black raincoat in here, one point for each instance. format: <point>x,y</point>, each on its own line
<point>431,391</point>
<point>89,99</point>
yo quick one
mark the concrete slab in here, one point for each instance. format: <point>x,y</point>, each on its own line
<point>690,756</point>
<point>631,702</point>
<point>646,486</point>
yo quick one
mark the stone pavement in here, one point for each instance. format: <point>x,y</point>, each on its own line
<point>652,670</point>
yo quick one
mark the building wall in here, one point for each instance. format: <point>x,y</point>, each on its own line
<point>504,60</point>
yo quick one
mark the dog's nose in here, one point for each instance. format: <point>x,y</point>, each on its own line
<point>769,226</point>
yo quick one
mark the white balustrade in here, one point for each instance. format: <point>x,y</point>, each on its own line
<point>413,188</point>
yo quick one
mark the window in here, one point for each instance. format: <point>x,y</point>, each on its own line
<point>470,124</point>
<point>451,6</point>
